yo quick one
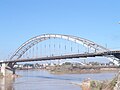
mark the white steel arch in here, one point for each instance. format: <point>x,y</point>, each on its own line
<point>87,43</point>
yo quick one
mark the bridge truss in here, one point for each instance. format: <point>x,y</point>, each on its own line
<point>35,40</point>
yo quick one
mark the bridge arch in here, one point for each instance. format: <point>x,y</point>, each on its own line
<point>33,41</point>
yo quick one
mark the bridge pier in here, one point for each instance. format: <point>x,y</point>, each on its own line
<point>6,70</point>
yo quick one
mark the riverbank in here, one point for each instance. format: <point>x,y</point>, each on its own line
<point>68,69</point>
<point>113,84</point>
<point>9,76</point>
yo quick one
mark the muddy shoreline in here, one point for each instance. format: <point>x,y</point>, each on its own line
<point>81,70</point>
<point>113,84</point>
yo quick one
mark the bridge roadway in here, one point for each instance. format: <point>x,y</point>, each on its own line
<point>70,56</point>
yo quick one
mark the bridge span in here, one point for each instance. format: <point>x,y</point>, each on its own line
<point>73,43</point>
<point>70,56</point>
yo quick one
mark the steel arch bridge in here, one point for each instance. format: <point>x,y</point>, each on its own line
<point>87,43</point>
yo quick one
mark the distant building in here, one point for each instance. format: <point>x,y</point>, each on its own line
<point>18,66</point>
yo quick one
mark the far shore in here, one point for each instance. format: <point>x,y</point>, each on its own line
<point>69,70</point>
<point>81,70</point>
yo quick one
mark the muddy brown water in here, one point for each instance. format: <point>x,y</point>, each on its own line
<point>43,80</point>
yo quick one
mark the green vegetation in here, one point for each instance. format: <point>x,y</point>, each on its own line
<point>111,84</point>
<point>101,85</point>
<point>95,85</point>
<point>104,85</point>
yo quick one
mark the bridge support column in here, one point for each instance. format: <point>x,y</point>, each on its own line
<point>6,70</point>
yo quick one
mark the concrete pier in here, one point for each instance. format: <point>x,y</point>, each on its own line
<point>6,70</point>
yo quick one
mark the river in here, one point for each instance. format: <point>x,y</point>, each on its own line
<point>43,80</point>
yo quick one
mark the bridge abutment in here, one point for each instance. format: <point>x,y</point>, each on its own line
<point>6,70</point>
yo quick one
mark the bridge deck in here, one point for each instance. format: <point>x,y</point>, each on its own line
<point>85,55</point>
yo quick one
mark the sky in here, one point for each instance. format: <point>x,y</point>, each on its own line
<point>95,20</point>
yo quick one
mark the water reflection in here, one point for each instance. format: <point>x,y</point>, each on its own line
<point>6,83</point>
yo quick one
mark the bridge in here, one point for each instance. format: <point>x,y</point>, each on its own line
<point>60,47</point>
<point>84,55</point>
